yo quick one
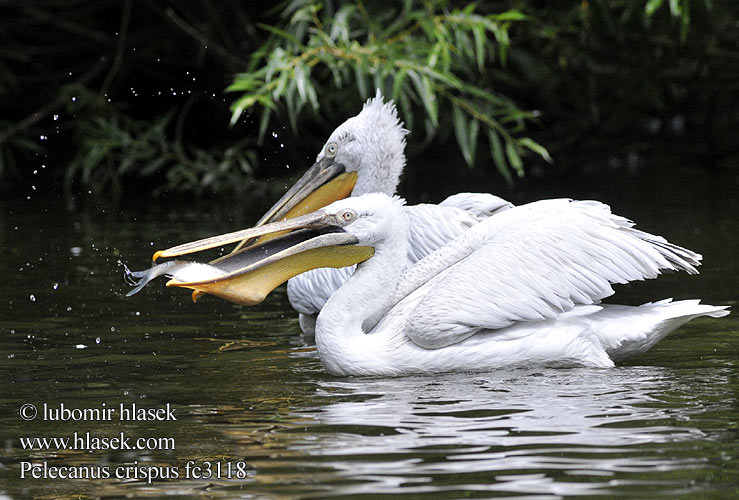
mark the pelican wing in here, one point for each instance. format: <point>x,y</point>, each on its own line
<point>433,226</point>
<point>480,204</point>
<point>529,263</point>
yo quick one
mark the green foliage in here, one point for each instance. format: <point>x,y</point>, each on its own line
<point>618,77</point>
<point>434,62</point>
<point>114,146</point>
<point>607,78</point>
<point>679,9</point>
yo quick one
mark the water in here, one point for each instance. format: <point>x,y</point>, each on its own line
<point>248,391</point>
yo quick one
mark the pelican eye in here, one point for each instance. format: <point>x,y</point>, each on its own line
<point>331,150</point>
<point>348,215</point>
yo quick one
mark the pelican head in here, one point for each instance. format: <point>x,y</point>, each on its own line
<point>339,235</point>
<point>365,154</point>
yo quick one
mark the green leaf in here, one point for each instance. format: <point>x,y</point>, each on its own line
<point>423,90</point>
<point>675,8</point>
<point>433,56</point>
<point>511,15</point>
<point>514,158</point>
<point>496,151</point>
<point>536,148</point>
<point>247,101</point>
<point>281,33</point>
<point>301,80</point>
<point>479,34</point>
<point>652,6</point>
<point>152,167</point>
<point>244,82</point>
<point>474,133</point>
<point>361,78</point>
<point>461,132</point>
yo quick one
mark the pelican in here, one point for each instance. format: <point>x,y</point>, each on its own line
<point>520,288</point>
<point>365,154</point>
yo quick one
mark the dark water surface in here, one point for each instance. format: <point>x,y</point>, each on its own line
<point>249,394</point>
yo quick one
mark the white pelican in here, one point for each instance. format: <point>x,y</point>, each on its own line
<point>365,154</point>
<point>520,288</point>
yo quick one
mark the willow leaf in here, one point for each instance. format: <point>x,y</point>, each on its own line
<point>461,132</point>
<point>514,158</point>
<point>496,151</point>
<point>536,148</point>
<point>651,7</point>
<point>280,33</point>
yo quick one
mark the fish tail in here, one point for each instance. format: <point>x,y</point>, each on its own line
<point>139,279</point>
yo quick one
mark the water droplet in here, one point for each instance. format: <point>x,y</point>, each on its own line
<point>97,340</point>
<point>33,298</point>
<point>112,328</point>
<point>33,188</point>
<point>138,313</point>
<point>69,308</point>
<point>73,98</point>
<point>12,331</point>
<point>274,134</point>
<point>55,286</point>
<point>35,172</point>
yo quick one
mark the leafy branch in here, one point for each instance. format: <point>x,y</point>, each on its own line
<point>435,64</point>
<point>114,146</point>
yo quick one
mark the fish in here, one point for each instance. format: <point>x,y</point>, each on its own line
<point>178,270</point>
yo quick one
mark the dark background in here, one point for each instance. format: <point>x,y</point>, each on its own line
<point>613,88</point>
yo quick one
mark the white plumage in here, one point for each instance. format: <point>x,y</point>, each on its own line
<point>518,288</point>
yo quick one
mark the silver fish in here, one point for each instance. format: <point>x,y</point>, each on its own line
<point>181,270</point>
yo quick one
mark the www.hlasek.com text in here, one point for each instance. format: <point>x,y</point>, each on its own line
<point>88,442</point>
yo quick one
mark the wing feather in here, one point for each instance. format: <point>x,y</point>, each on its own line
<point>530,263</point>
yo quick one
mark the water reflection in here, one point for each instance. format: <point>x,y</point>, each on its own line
<point>508,409</point>
<point>554,431</point>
